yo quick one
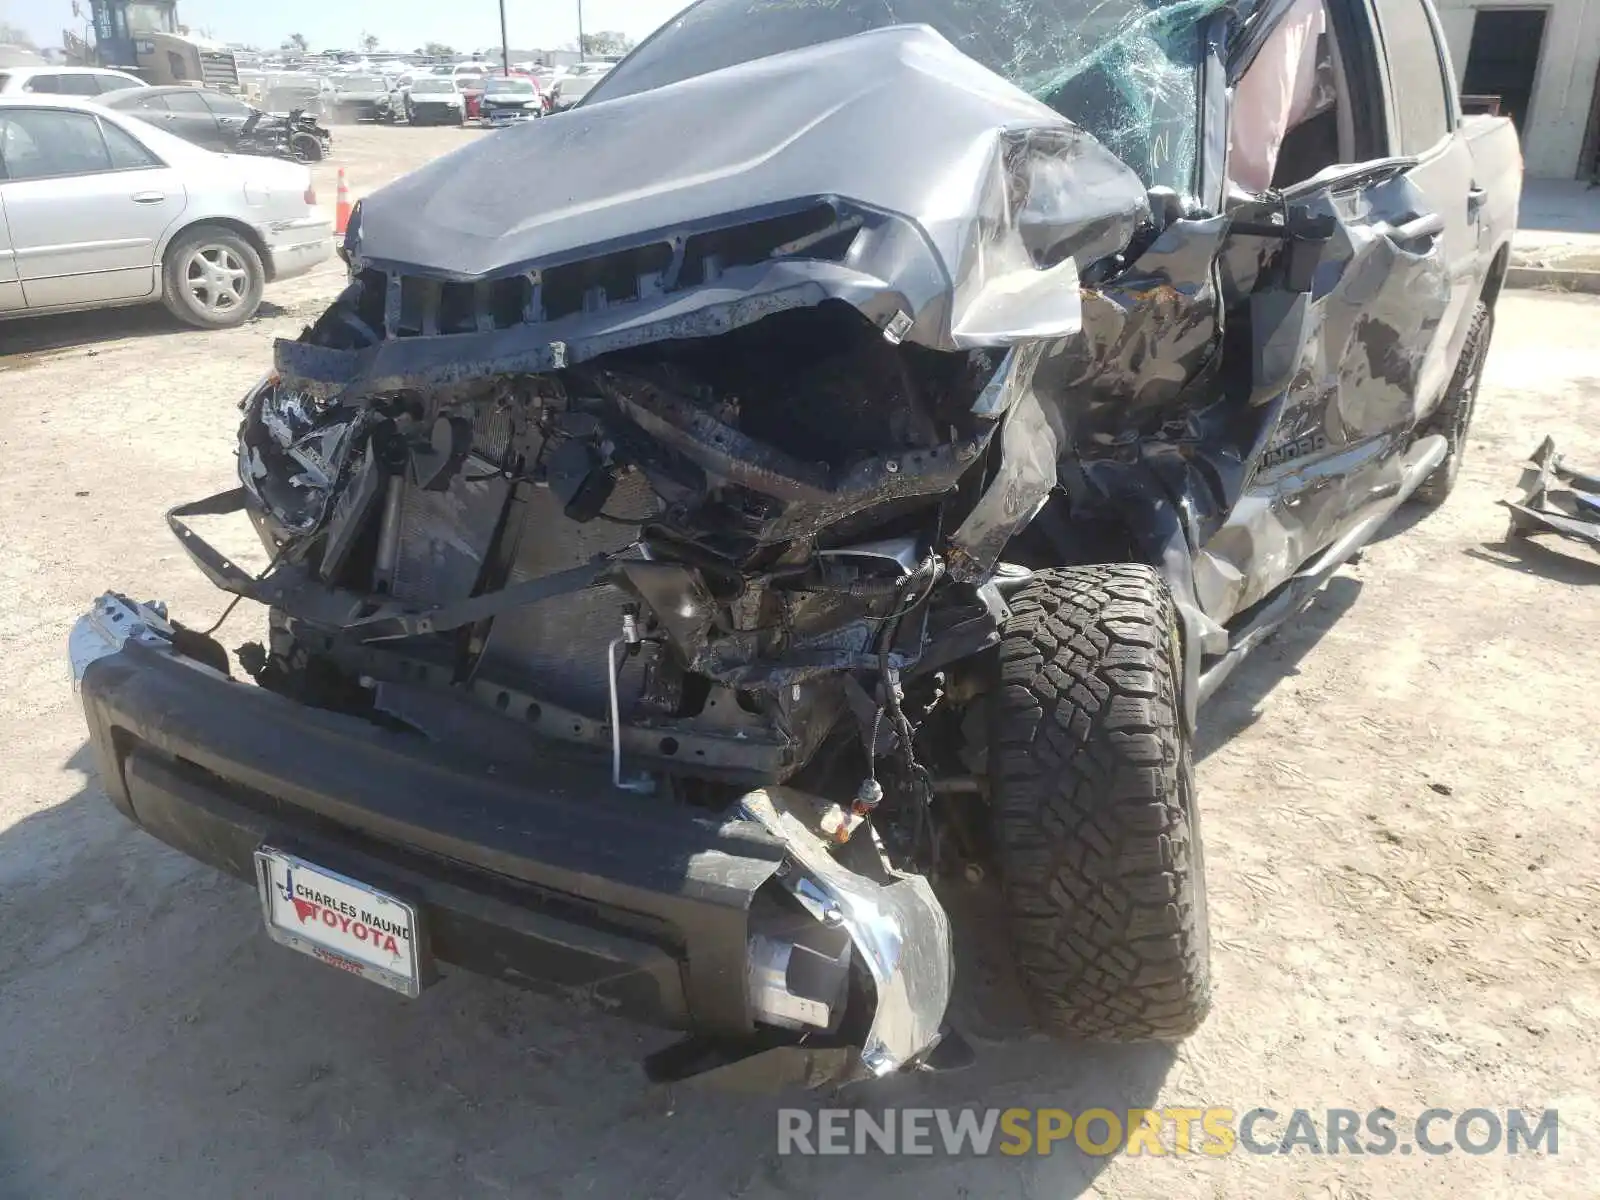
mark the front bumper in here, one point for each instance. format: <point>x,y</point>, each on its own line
<point>361,110</point>
<point>496,114</point>
<point>423,112</point>
<point>635,906</point>
<point>296,246</point>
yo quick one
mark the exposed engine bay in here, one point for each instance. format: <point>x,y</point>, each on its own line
<point>729,557</point>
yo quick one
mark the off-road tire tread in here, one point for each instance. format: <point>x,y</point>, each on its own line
<point>1436,488</point>
<point>1092,785</point>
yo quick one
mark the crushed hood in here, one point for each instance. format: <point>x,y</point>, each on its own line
<point>991,185</point>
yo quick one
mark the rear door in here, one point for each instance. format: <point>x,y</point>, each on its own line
<point>189,117</point>
<point>1424,121</point>
<point>10,285</point>
<point>231,115</point>
<point>86,204</point>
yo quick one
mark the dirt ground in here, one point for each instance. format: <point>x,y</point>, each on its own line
<point>1400,842</point>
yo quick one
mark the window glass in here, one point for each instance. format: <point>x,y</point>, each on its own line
<point>1416,74</point>
<point>151,18</point>
<point>37,143</point>
<point>153,103</point>
<point>225,106</point>
<point>1124,70</point>
<point>47,84</point>
<point>79,85</point>
<point>186,103</point>
<point>113,83</point>
<point>126,152</point>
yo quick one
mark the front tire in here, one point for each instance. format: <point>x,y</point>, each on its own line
<point>212,278</point>
<point>1453,418</point>
<point>305,148</point>
<point>1096,830</point>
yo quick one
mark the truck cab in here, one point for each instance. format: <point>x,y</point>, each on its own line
<point>145,36</point>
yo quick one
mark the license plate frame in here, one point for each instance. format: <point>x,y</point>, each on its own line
<point>299,918</point>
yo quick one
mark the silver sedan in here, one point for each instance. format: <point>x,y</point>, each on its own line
<point>99,209</point>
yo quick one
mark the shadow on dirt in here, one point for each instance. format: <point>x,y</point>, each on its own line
<point>1236,706</point>
<point>138,986</point>
<point>1571,563</point>
<point>25,339</point>
<point>1406,518</point>
<point>66,331</point>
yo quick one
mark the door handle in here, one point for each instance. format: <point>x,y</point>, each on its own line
<point>1428,225</point>
<point>148,197</point>
<point>1475,198</point>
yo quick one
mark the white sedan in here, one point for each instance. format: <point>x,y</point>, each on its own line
<point>99,209</point>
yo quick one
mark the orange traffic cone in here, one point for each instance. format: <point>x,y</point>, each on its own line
<point>341,212</point>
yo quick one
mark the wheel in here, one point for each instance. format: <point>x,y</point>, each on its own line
<point>212,278</point>
<point>305,148</point>
<point>1097,836</point>
<point>1453,418</point>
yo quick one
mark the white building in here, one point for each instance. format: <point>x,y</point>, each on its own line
<point>1542,59</point>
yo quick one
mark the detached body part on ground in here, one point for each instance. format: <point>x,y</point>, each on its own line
<point>1572,510</point>
<point>101,210</point>
<point>673,584</point>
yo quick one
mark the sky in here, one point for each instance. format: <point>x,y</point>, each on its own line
<point>398,24</point>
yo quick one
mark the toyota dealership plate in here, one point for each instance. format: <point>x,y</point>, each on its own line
<point>339,920</point>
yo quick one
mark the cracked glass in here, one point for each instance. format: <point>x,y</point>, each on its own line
<point>1127,71</point>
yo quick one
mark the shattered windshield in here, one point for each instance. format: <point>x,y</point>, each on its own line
<point>1125,70</point>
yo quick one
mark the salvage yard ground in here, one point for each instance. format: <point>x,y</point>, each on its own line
<point>1398,798</point>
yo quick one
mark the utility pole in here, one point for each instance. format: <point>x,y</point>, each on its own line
<point>505,47</point>
<point>580,30</point>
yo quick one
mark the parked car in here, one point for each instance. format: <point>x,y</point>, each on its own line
<point>573,84</point>
<point>672,581</point>
<point>223,123</point>
<point>64,81</point>
<point>471,86</point>
<point>101,209</point>
<point>435,100</point>
<point>510,98</point>
<point>297,91</point>
<point>362,98</point>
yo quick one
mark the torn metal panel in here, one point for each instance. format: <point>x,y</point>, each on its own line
<point>813,495</point>
<point>1340,326</point>
<point>1031,443</point>
<point>896,924</point>
<point>1572,510</point>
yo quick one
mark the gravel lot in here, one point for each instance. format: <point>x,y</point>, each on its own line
<point>1401,851</point>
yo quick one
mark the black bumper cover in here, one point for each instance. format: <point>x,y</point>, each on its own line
<point>628,904</point>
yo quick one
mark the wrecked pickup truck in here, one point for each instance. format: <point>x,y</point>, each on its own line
<point>849,478</point>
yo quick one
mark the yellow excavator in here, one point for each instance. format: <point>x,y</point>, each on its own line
<point>144,37</point>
